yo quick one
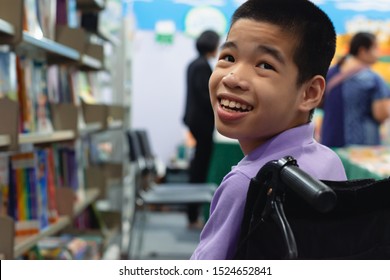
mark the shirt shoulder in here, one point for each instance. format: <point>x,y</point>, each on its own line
<point>218,240</point>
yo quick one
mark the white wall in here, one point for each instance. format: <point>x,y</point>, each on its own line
<point>158,95</point>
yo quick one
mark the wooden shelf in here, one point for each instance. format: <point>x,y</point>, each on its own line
<point>38,138</point>
<point>90,128</point>
<point>46,47</point>
<point>115,124</point>
<point>107,37</point>
<point>25,243</point>
<point>90,196</point>
<point>5,140</point>
<point>91,62</point>
<point>6,28</point>
<point>109,236</point>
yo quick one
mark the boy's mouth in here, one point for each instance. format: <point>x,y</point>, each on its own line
<point>234,106</point>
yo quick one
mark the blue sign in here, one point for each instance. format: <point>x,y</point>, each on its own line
<point>149,12</point>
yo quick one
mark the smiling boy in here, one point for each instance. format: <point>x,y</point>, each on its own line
<point>269,77</point>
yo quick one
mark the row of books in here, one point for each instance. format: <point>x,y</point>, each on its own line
<point>69,247</point>
<point>42,16</point>
<point>35,85</point>
<point>28,183</point>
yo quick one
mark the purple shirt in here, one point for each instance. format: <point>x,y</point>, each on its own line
<point>219,237</point>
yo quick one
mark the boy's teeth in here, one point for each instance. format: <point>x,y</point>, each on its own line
<point>232,104</point>
<point>225,102</point>
<point>235,105</point>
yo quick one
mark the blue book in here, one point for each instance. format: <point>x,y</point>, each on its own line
<point>41,178</point>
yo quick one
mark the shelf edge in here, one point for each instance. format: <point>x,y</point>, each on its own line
<point>6,27</point>
<point>36,138</point>
<point>23,244</point>
<point>5,140</point>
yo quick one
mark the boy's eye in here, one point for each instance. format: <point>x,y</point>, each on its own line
<point>266,66</point>
<point>228,58</point>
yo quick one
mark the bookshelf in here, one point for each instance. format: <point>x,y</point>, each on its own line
<point>115,124</point>
<point>11,21</point>
<point>90,128</point>
<point>6,28</point>
<point>25,243</point>
<point>91,62</point>
<point>33,46</point>
<point>90,196</point>
<point>5,140</point>
<point>55,52</point>
<point>39,138</point>
<point>71,49</point>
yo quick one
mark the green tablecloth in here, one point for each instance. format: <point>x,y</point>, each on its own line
<point>225,155</point>
<point>359,162</point>
<point>365,161</point>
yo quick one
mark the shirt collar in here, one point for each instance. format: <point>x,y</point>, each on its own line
<point>297,136</point>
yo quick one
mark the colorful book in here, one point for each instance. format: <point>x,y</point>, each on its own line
<point>39,95</point>
<point>11,203</point>
<point>24,186</point>
<point>24,76</point>
<point>65,90</point>
<point>8,81</point>
<point>67,13</point>
<point>31,18</point>
<point>72,169</point>
<point>53,84</point>
<point>51,186</point>
<point>72,13</point>
<point>4,183</point>
<point>46,10</point>
<point>62,12</point>
<point>73,74</point>
<point>42,180</point>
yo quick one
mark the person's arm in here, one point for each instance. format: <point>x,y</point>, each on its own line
<point>381,105</point>
<point>381,109</point>
<point>218,240</point>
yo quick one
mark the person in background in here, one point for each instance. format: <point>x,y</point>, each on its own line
<point>269,78</point>
<point>198,116</point>
<point>356,100</point>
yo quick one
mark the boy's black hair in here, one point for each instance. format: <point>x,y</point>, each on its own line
<point>207,42</point>
<point>359,40</point>
<point>313,32</point>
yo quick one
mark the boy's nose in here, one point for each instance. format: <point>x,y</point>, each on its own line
<point>233,80</point>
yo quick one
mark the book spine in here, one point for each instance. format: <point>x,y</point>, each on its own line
<point>51,186</point>
<point>23,168</point>
<point>41,174</point>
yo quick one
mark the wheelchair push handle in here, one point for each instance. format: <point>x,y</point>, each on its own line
<point>285,171</point>
<point>313,191</point>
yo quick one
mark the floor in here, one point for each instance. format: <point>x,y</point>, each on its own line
<point>166,236</point>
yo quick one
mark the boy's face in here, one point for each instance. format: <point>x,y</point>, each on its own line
<point>253,88</point>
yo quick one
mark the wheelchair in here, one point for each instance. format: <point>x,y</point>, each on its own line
<point>290,215</point>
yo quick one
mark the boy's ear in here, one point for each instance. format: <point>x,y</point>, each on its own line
<point>313,92</point>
